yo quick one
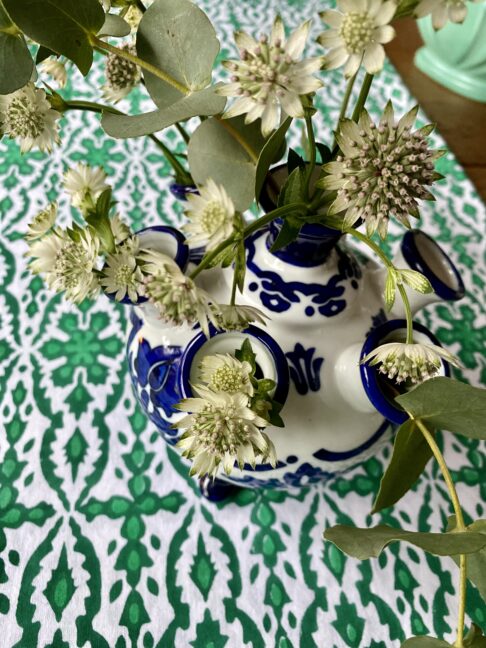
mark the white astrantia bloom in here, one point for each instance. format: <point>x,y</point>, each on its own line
<point>443,10</point>
<point>270,78</point>
<point>176,297</point>
<point>412,362</point>
<point>357,35</point>
<point>27,116</point>
<point>55,69</point>
<point>211,215</point>
<point>220,430</point>
<point>120,230</point>
<point>238,318</point>
<point>68,266</point>
<point>121,75</point>
<point>121,276</point>
<point>85,184</point>
<point>382,171</point>
<point>223,372</point>
<point>42,223</point>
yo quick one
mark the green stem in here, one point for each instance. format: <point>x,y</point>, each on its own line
<point>248,231</point>
<point>363,95</point>
<point>312,162</point>
<point>184,134</point>
<point>139,4</point>
<point>90,106</point>
<point>344,105</point>
<point>148,67</point>
<point>460,525</point>
<point>233,290</point>
<point>388,264</point>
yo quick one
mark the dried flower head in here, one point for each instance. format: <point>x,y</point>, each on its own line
<point>224,373</point>
<point>357,34</point>
<point>220,430</point>
<point>412,362</point>
<point>176,297</point>
<point>443,10</point>
<point>27,115</point>
<point>84,184</point>
<point>55,69</point>
<point>121,75</point>
<point>270,77</point>
<point>383,170</point>
<point>42,223</point>
<point>211,215</point>
<point>238,318</point>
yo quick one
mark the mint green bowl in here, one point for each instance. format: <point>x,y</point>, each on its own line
<point>455,56</point>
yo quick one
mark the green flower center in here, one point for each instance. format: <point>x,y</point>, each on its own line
<point>227,379</point>
<point>124,275</point>
<point>357,31</point>
<point>23,120</point>
<point>213,217</point>
<point>220,430</point>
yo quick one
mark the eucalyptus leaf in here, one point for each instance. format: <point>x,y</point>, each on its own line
<point>205,102</point>
<point>411,452</point>
<point>448,404</point>
<point>425,642</point>
<point>475,638</point>
<point>215,152</point>
<point>63,26</point>
<point>269,153</point>
<point>16,64</point>
<point>369,543</point>
<point>114,25</point>
<point>43,53</point>
<point>476,563</point>
<point>178,38</point>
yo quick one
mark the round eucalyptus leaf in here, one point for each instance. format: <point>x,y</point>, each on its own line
<point>114,26</point>
<point>16,64</point>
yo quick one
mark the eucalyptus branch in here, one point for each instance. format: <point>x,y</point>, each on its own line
<point>363,96</point>
<point>460,524</point>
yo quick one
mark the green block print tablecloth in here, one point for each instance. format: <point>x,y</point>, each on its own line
<point>104,541</point>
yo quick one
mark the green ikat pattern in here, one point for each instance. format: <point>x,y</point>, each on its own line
<point>104,540</point>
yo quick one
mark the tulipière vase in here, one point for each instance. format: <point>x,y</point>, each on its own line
<point>325,313</point>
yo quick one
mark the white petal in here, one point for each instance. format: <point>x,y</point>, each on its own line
<point>384,34</point>
<point>240,107</point>
<point>244,41</point>
<point>439,16</point>
<point>278,32</point>
<point>374,58</point>
<point>425,7</point>
<point>386,13</point>
<point>292,104</point>
<point>330,38</point>
<point>296,43</point>
<point>352,65</point>
<point>335,58</point>
<point>332,18</point>
<point>269,119</point>
<point>457,13</point>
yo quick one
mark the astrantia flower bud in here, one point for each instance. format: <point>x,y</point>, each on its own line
<point>121,75</point>
<point>42,223</point>
<point>238,318</point>
<point>443,10</point>
<point>55,69</point>
<point>412,362</point>
<point>27,115</point>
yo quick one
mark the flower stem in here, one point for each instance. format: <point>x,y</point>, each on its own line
<point>233,290</point>
<point>248,231</point>
<point>312,161</point>
<point>90,106</point>
<point>388,264</point>
<point>363,95</point>
<point>460,525</point>
<point>184,134</point>
<point>148,67</point>
<point>344,105</point>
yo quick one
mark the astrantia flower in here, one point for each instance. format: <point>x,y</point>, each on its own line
<point>55,69</point>
<point>443,10</point>
<point>358,34</point>
<point>176,297</point>
<point>84,184</point>
<point>412,362</point>
<point>383,170</point>
<point>211,216</point>
<point>122,276</point>
<point>27,115</point>
<point>220,431</point>
<point>121,75</point>
<point>238,318</point>
<point>269,77</point>
<point>42,223</point>
<point>68,266</point>
<point>223,372</point>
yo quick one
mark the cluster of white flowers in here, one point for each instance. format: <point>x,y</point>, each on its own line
<point>56,69</point>
<point>414,363</point>
<point>270,77</point>
<point>122,276</point>
<point>84,184</point>
<point>383,170</point>
<point>221,429</point>
<point>27,116</point>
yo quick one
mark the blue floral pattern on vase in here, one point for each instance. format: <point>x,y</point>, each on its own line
<point>305,369</point>
<point>278,295</point>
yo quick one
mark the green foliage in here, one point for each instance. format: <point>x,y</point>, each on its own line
<point>178,38</point>
<point>425,642</point>
<point>64,26</point>
<point>289,232</point>
<point>114,25</point>
<point>294,189</point>
<point>269,154</point>
<point>411,453</point>
<point>476,563</point>
<point>369,543</point>
<point>202,103</point>
<point>448,404</point>
<point>390,288</point>
<point>99,221</point>
<point>16,63</point>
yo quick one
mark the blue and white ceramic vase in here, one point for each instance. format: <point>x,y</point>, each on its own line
<point>325,312</point>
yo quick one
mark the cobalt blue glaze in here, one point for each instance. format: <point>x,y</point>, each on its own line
<point>370,374</point>
<point>181,191</point>
<point>304,369</point>
<point>311,248</point>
